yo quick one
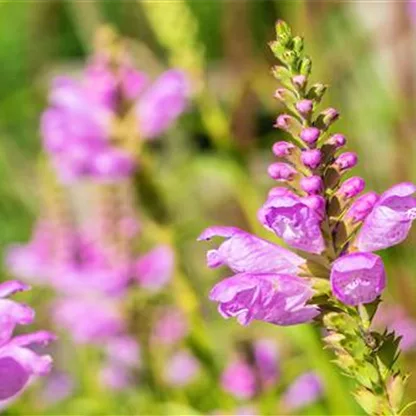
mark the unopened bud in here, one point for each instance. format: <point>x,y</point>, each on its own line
<point>337,140</point>
<point>346,161</point>
<point>362,207</point>
<point>283,32</point>
<point>317,203</point>
<point>299,81</point>
<point>310,135</point>
<point>351,187</point>
<point>282,149</point>
<point>312,184</point>
<point>316,92</point>
<point>305,66</point>
<point>281,171</point>
<point>327,117</point>
<point>304,106</point>
<point>285,96</point>
<point>288,123</point>
<point>311,158</point>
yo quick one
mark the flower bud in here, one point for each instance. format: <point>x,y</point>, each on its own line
<point>280,191</point>
<point>317,91</point>
<point>306,66</point>
<point>362,207</point>
<point>346,161</point>
<point>327,117</point>
<point>281,171</point>
<point>310,135</point>
<point>317,203</point>
<point>352,187</point>
<point>312,184</point>
<point>311,158</point>
<point>288,123</point>
<point>337,140</point>
<point>283,32</point>
<point>304,106</point>
<point>285,96</point>
<point>282,149</point>
<point>299,81</point>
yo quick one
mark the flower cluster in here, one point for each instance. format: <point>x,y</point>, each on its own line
<point>84,244</point>
<point>332,230</point>
<point>83,129</point>
<point>18,362</point>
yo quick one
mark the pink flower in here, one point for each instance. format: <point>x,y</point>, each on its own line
<point>89,320</point>
<point>239,380</point>
<point>305,390</point>
<point>181,369</point>
<point>171,327</point>
<point>358,278</point>
<point>390,220</point>
<point>244,252</point>
<point>293,221</point>
<point>276,298</point>
<point>266,358</point>
<point>154,270</point>
<point>30,261</point>
<point>161,104</point>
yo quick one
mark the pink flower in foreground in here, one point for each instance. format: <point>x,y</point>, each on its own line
<point>276,298</point>
<point>358,278</point>
<point>294,222</point>
<point>244,252</point>
<point>390,220</point>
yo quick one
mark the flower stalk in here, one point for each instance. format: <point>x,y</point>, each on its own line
<point>331,276</point>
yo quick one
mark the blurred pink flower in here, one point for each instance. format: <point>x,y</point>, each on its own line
<point>181,369</point>
<point>154,270</point>
<point>239,380</point>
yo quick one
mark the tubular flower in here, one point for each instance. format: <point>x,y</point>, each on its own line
<point>276,298</point>
<point>243,252</point>
<point>390,220</point>
<point>18,364</point>
<point>358,278</point>
<point>320,215</point>
<point>294,222</point>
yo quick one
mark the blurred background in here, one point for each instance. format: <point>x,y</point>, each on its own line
<point>209,168</point>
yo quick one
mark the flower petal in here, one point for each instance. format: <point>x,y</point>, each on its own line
<point>244,252</point>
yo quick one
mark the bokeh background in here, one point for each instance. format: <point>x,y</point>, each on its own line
<point>211,167</point>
